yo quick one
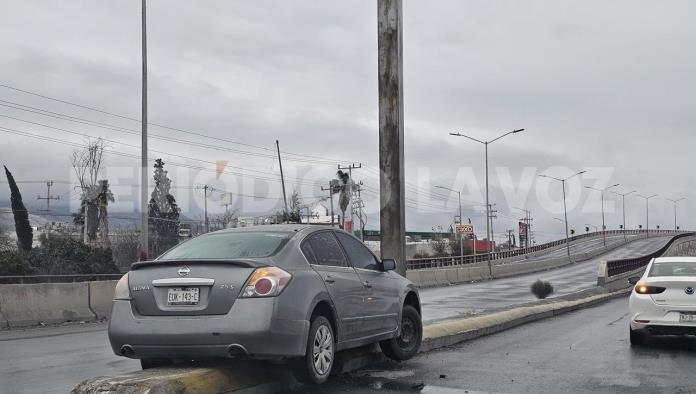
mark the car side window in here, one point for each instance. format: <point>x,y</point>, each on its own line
<point>308,252</point>
<point>325,250</point>
<point>360,256</point>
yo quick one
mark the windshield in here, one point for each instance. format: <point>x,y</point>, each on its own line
<point>678,268</point>
<point>231,245</point>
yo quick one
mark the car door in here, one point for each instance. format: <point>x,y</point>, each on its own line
<point>381,302</point>
<point>342,282</point>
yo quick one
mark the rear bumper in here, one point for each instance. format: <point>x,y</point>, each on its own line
<point>248,329</point>
<point>648,317</point>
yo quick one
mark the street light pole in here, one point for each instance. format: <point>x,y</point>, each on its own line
<point>623,208</point>
<point>144,236</point>
<point>604,227</point>
<point>565,210</point>
<point>488,207</point>
<point>461,236</point>
<point>675,210</point>
<point>647,213</point>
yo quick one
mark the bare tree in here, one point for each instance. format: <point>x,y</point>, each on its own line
<point>87,164</point>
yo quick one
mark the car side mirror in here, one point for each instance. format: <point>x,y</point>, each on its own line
<point>633,280</point>
<point>388,265</point>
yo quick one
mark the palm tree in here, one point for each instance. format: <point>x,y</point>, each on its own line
<point>344,197</point>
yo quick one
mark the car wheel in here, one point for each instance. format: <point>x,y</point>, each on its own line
<point>319,357</point>
<point>637,337</point>
<point>147,363</point>
<point>408,342</point>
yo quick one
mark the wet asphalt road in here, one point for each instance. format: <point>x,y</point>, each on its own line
<point>53,360</point>
<point>462,300</point>
<point>579,352</point>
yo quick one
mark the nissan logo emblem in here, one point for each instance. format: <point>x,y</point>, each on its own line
<point>184,271</point>
<point>689,290</point>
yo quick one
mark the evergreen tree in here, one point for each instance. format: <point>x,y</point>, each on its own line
<point>25,234</point>
<point>163,213</point>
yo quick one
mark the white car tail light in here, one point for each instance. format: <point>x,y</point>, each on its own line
<point>646,289</point>
<point>122,291</point>
<point>266,282</point>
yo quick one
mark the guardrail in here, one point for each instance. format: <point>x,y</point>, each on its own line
<point>618,267</point>
<point>22,279</point>
<point>453,261</point>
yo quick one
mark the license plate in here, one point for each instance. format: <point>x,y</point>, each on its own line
<point>687,317</point>
<point>182,296</point>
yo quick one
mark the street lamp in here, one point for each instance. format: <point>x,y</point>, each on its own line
<point>565,210</point>
<point>592,225</point>
<point>675,210</point>
<point>488,207</point>
<point>647,213</point>
<point>461,236</point>
<point>604,227</point>
<point>623,208</point>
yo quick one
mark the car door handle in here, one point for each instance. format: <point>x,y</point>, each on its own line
<point>367,284</point>
<point>329,279</point>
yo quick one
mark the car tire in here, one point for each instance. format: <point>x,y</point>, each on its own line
<point>408,342</point>
<point>148,363</point>
<point>637,338</point>
<point>315,367</point>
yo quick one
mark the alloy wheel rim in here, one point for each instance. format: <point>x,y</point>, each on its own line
<point>408,333</point>
<point>322,350</point>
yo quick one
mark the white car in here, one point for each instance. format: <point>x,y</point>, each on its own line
<point>663,301</point>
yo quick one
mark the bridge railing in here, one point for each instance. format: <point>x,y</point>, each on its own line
<point>452,261</point>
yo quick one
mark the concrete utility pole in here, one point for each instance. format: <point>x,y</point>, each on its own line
<point>527,220</point>
<point>144,236</point>
<point>565,210</point>
<point>331,193</point>
<point>205,209</point>
<point>48,197</point>
<point>488,213</point>
<point>675,210</point>
<point>392,223</point>
<point>623,208</point>
<point>604,226</point>
<point>647,213</point>
<point>461,236</point>
<point>282,179</point>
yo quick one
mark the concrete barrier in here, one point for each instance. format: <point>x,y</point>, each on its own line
<point>25,305</point>
<point>101,295</point>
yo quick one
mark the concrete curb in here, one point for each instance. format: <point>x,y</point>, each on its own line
<point>252,377</point>
<point>451,332</point>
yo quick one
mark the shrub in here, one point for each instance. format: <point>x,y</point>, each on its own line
<point>13,263</point>
<point>60,255</point>
<point>541,289</point>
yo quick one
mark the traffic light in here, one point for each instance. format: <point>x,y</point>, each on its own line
<point>587,229</point>
<point>658,226</point>
<point>572,231</point>
<point>620,226</point>
<point>640,227</point>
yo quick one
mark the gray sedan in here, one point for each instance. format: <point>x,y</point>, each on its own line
<point>283,291</point>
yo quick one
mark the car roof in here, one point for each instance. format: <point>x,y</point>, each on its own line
<point>290,227</point>
<point>678,259</point>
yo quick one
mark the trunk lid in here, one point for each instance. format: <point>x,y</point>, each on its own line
<point>188,287</point>
<point>676,291</point>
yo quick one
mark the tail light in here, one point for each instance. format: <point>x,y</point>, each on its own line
<point>645,289</point>
<point>266,282</point>
<point>122,291</point>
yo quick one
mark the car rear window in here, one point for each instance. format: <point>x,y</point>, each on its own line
<point>676,268</point>
<point>229,245</point>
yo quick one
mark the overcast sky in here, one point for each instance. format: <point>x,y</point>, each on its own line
<point>603,86</point>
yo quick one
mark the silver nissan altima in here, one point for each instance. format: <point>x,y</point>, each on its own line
<point>282,291</point>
